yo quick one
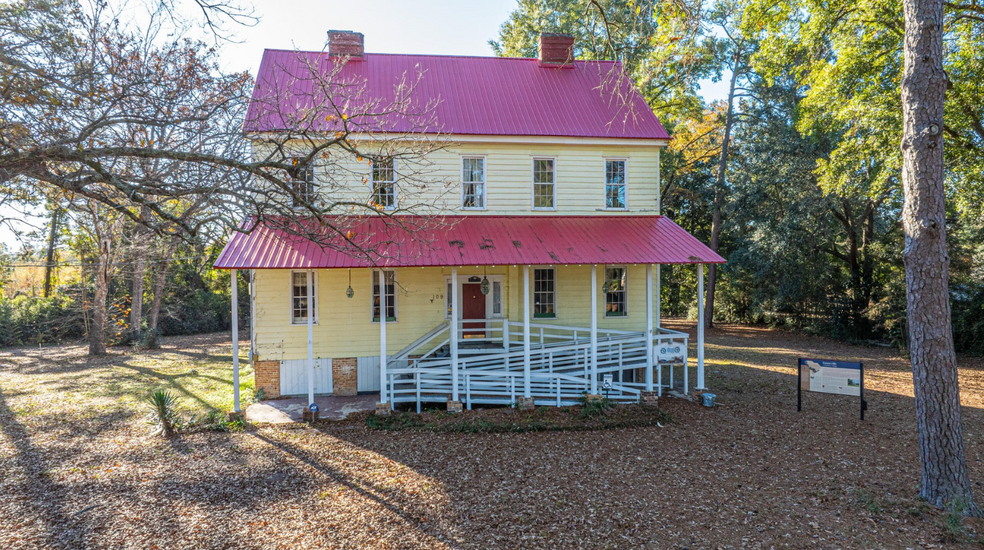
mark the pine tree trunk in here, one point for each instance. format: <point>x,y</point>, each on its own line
<point>945,480</point>
<point>137,289</point>
<point>141,243</point>
<point>50,256</point>
<point>97,332</point>
<point>160,279</point>
<point>719,193</point>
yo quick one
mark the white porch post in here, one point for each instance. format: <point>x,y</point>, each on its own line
<point>659,307</point>
<point>594,329</point>
<point>649,327</point>
<point>383,378</point>
<point>454,334</point>
<point>235,341</point>
<point>700,327</point>
<point>310,327</point>
<point>659,298</point>
<point>527,390</point>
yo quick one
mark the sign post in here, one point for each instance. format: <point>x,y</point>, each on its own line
<point>824,376</point>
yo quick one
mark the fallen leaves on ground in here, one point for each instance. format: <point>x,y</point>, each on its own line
<point>80,470</point>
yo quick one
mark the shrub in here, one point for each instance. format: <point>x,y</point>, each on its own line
<point>36,320</point>
<point>595,407</point>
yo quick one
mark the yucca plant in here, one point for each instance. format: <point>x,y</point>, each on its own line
<point>163,416</point>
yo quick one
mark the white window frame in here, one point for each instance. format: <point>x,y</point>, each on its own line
<point>314,296</point>
<point>625,184</point>
<point>484,182</point>
<point>373,182</point>
<point>372,296</point>
<point>489,298</point>
<point>533,185</point>
<point>310,180</point>
<point>625,270</point>
<point>533,292</point>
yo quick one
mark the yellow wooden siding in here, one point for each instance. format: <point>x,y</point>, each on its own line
<point>345,329</point>
<point>434,183</point>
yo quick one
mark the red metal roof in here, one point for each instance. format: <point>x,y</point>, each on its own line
<point>474,96</point>
<point>420,241</point>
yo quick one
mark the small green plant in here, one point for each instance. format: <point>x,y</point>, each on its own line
<point>595,407</point>
<point>953,525</point>
<point>212,421</point>
<point>163,415</point>
<point>868,502</point>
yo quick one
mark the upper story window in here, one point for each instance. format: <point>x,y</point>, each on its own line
<point>302,183</point>
<point>615,184</point>
<point>390,296</point>
<point>384,183</point>
<point>616,304</point>
<point>473,182</point>
<point>544,292</point>
<point>299,298</point>
<point>544,192</point>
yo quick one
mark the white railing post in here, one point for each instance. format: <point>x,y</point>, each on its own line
<point>526,331</point>
<point>700,328</point>
<point>310,334</point>
<point>505,335</point>
<point>382,337</point>
<point>594,329</point>
<point>649,327</point>
<point>454,334</point>
<point>235,340</point>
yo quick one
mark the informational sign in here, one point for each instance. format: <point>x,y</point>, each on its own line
<point>827,376</point>
<point>313,407</point>
<point>606,382</point>
<point>670,353</point>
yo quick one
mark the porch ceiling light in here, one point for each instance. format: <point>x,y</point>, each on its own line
<point>486,286</point>
<point>348,291</point>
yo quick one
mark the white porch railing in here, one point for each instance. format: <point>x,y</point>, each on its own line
<point>491,361</point>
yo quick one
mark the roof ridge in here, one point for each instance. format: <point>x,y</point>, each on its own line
<point>391,54</point>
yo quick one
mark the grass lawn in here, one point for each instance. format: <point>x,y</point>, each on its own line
<point>78,468</point>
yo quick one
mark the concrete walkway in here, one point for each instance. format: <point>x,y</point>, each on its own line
<point>280,411</point>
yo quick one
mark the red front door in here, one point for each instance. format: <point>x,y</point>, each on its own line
<point>472,307</point>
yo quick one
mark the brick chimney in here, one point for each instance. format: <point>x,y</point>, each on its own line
<point>346,43</point>
<point>556,50</point>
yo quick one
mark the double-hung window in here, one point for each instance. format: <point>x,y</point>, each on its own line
<point>544,293</point>
<point>299,298</point>
<point>473,182</point>
<point>615,184</point>
<point>615,295</point>
<point>544,189</point>
<point>302,183</point>
<point>384,184</point>
<point>390,296</point>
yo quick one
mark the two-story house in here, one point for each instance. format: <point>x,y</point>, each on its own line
<point>538,284</point>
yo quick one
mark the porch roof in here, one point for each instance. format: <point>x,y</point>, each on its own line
<point>423,241</point>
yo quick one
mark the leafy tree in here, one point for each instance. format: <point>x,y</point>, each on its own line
<point>658,43</point>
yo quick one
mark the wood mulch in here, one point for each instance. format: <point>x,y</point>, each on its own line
<point>750,473</point>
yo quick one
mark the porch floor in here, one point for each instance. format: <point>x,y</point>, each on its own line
<point>333,407</point>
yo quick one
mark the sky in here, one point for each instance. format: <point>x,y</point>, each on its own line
<point>450,27</point>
